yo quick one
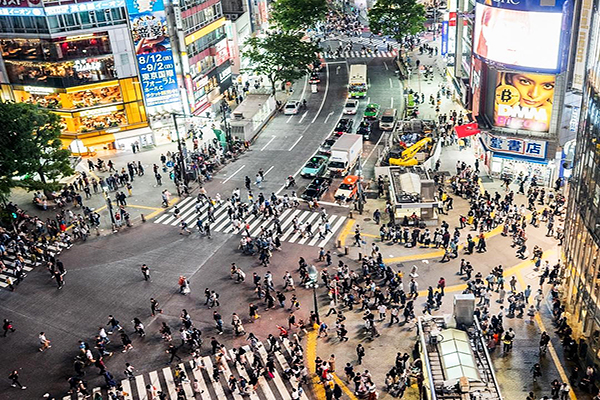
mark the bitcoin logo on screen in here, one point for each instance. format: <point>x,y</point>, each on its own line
<point>507,95</point>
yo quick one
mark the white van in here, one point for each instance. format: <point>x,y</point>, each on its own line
<point>388,119</point>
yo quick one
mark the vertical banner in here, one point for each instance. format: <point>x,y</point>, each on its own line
<point>148,26</point>
<point>444,47</point>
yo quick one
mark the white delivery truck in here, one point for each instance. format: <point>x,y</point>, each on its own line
<point>344,153</point>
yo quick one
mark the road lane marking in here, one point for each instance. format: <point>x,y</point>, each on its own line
<point>368,100</point>
<point>328,115</point>
<point>392,103</point>
<point>391,83</point>
<point>303,116</point>
<point>295,143</point>
<point>268,143</point>
<point>324,96</point>
<point>290,118</point>
<point>304,89</point>
<point>269,170</point>
<point>232,175</point>
<point>385,65</point>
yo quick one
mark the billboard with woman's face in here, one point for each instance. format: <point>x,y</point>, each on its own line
<point>524,101</point>
<point>521,39</point>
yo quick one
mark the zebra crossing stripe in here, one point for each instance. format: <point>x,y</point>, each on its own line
<point>187,387</point>
<point>171,389</point>
<point>204,394</point>
<point>276,378</point>
<point>141,387</point>
<point>299,234</point>
<point>264,385</point>
<point>290,230</point>
<point>126,389</point>
<point>220,394</point>
<point>243,374</point>
<point>334,229</point>
<point>228,373</point>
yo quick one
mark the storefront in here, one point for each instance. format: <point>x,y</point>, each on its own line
<point>512,157</point>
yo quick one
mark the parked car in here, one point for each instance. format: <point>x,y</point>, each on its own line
<point>344,126</point>
<point>348,188</point>
<point>314,167</point>
<point>372,111</point>
<point>325,147</point>
<point>364,129</point>
<point>316,188</point>
<point>351,107</point>
<point>291,108</point>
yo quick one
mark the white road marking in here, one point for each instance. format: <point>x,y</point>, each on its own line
<point>391,83</point>
<point>268,143</point>
<point>295,143</point>
<point>328,115</point>
<point>392,103</point>
<point>385,65</point>
<point>232,175</point>
<point>290,118</point>
<point>324,96</point>
<point>269,170</point>
<point>304,88</point>
<point>303,116</point>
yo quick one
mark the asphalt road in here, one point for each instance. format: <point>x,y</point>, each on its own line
<point>104,276</point>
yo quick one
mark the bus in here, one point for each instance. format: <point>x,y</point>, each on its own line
<point>358,81</point>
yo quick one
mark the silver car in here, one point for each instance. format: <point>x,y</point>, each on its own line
<point>351,107</point>
<point>291,108</point>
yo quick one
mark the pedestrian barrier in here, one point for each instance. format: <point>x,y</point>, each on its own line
<point>222,223</point>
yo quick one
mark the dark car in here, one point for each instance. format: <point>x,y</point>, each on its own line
<point>314,78</point>
<point>364,129</point>
<point>344,126</point>
<point>316,188</point>
<point>325,147</point>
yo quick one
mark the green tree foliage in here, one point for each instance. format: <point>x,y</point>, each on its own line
<point>397,18</point>
<point>297,15</point>
<point>280,56</point>
<point>31,154</point>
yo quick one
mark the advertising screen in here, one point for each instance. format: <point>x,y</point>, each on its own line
<point>524,101</point>
<point>153,52</point>
<point>523,39</point>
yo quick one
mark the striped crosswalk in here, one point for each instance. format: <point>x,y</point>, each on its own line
<point>198,382</point>
<point>358,54</point>
<point>222,222</point>
<point>9,261</point>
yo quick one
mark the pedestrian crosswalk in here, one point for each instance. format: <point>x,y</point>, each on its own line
<point>9,261</point>
<point>198,382</point>
<point>222,222</point>
<point>358,54</point>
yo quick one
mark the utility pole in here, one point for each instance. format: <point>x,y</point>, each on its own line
<point>181,157</point>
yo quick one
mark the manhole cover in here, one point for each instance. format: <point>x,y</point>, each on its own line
<point>367,219</point>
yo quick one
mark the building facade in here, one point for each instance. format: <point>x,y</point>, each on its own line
<point>76,59</point>
<point>582,226</point>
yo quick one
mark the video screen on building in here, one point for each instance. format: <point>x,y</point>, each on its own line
<point>524,100</point>
<point>524,39</point>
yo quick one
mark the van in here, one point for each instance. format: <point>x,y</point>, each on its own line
<point>388,120</point>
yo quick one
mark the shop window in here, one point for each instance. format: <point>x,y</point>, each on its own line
<point>100,122</point>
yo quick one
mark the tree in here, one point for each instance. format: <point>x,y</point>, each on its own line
<point>297,15</point>
<point>31,154</point>
<point>397,18</point>
<point>280,56</point>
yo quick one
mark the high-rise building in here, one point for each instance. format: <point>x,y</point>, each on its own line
<point>582,225</point>
<point>76,59</point>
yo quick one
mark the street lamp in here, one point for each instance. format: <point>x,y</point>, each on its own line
<point>313,275</point>
<point>181,157</point>
<point>110,207</point>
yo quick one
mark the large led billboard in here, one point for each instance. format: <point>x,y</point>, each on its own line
<point>148,25</point>
<point>524,101</point>
<point>516,38</point>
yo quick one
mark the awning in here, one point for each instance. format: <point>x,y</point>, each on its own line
<point>465,130</point>
<point>132,133</point>
<point>98,140</point>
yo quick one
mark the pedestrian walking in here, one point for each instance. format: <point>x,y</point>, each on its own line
<point>172,351</point>
<point>146,272</point>
<point>14,378</point>
<point>154,306</point>
<point>360,353</point>
<point>44,342</point>
<point>7,326</point>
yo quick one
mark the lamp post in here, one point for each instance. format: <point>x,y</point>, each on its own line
<point>110,208</point>
<point>360,191</point>
<point>181,157</point>
<point>313,276</point>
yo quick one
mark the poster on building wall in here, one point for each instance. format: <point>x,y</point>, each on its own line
<point>524,101</point>
<point>148,25</point>
<point>444,47</point>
